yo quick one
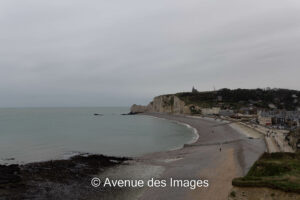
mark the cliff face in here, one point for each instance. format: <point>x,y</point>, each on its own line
<point>210,102</point>
<point>138,109</point>
<point>163,104</point>
<point>174,105</point>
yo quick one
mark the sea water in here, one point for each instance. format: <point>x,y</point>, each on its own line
<point>38,134</point>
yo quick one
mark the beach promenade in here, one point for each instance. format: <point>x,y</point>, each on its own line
<point>220,154</point>
<point>274,138</point>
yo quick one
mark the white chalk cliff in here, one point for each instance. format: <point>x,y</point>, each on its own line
<point>173,105</point>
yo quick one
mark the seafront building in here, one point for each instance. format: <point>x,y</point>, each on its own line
<point>279,118</point>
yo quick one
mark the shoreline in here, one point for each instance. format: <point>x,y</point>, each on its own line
<point>197,159</point>
<point>195,132</point>
<point>234,155</point>
<point>66,155</point>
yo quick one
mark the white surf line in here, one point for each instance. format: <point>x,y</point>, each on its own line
<point>192,141</point>
<point>196,134</point>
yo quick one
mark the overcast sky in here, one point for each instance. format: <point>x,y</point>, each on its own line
<point>109,53</point>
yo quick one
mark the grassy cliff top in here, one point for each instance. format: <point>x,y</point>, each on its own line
<point>261,98</point>
<point>275,170</point>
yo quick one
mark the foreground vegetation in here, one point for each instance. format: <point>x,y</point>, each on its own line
<point>276,171</point>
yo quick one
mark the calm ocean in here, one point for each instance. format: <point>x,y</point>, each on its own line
<point>37,134</point>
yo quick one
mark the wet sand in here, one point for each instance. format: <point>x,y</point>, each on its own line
<point>204,160</point>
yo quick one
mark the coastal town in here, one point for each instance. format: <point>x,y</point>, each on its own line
<point>275,113</point>
<point>267,143</point>
<point>280,127</point>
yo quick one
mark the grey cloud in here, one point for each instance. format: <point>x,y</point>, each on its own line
<point>90,53</point>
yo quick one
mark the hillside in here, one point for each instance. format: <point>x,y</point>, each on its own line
<point>276,170</point>
<point>211,102</point>
<point>235,99</point>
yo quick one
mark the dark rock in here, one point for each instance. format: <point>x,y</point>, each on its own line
<point>9,174</point>
<point>131,113</point>
<point>44,180</point>
<point>9,159</point>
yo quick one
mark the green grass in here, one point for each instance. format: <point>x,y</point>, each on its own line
<point>235,99</point>
<point>233,194</point>
<point>275,170</point>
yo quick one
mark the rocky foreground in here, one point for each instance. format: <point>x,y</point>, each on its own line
<point>55,179</point>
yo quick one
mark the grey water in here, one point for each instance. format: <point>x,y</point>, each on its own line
<point>38,134</point>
